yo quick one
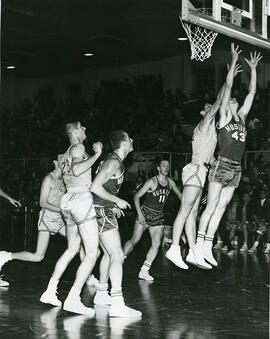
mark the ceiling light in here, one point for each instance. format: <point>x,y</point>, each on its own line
<point>11,67</point>
<point>88,54</point>
<point>182,39</point>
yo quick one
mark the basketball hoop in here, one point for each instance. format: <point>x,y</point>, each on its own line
<point>201,40</point>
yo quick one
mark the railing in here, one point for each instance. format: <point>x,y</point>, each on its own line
<point>141,144</point>
<point>145,162</point>
<point>21,230</point>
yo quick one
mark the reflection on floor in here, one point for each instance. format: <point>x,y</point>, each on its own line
<point>228,302</point>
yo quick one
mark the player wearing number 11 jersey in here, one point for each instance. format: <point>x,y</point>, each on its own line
<point>150,214</point>
<point>225,172</point>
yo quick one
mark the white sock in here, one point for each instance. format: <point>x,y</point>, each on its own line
<point>102,287</point>
<point>117,295</point>
<point>146,266</point>
<point>74,292</point>
<point>208,241</point>
<point>200,238</point>
<point>53,283</point>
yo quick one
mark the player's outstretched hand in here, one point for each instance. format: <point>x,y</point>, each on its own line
<point>15,202</point>
<point>254,59</point>
<point>235,51</point>
<point>237,69</point>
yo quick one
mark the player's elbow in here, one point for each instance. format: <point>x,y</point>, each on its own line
<point>136,198</point>
<point>94,188</point>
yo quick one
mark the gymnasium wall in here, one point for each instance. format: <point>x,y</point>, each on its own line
<point>176,71</point>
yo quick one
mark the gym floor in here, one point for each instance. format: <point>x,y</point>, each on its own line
<point>231,301</point>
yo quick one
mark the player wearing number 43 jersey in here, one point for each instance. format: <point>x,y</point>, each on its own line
<point>150,214</point>
<point>225,172</point>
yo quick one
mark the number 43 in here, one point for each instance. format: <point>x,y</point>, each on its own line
<point>239,136</point>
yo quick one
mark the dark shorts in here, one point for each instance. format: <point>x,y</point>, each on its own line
<point>106,219</point>
<point>152,217</point>
<point>226,172</point>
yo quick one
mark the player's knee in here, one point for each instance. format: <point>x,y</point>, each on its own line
<point>117,255</point>
<point>194,212</point>
<point>187,207</point>
<point>211,207</point>
<point>156,243</point>
<point>222,206</point>
<point>92,252</point>
<point>73,249</point>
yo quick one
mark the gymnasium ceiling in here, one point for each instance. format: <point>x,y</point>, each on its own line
<point>47,37</point>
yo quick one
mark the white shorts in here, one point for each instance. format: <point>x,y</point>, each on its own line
<point>50,221</point>
<point>194,175</point>
<point>77,208</point>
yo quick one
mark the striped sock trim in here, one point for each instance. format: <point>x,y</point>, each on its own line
<point>115,294</point>
<point>208,238</point>
<point>146,266</point>
<point>201,235</point>
<point>102,287</point>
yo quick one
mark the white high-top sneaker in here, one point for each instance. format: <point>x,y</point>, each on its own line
<point>174,255</point>
<point>119,309</point>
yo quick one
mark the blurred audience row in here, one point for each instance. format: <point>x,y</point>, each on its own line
<point>163,121</point>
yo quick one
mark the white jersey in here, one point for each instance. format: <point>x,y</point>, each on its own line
<point>57,191</point>
<point>74,183</point>
<point>204,144</point>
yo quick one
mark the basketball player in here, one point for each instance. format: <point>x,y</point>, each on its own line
<point>50,219</point>
<point>193,177</point>
<point>80,218</point>
<point>105,187</point>
<point>225,172</point>
<point>15,203</point>
<point>150,214</point>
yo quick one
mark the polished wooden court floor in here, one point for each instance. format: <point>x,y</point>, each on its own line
<point>231,301</point>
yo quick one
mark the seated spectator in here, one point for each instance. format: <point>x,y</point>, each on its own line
<point>228,226</point>
<point>261,215</point>
<point>244,219</point>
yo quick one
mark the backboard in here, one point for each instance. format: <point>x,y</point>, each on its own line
<point>245,20</point>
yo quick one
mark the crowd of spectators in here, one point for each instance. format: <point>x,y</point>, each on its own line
<point>163,119</point>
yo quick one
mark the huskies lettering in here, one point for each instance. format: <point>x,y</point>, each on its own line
<point>235,127</point>
<point>161,191</point>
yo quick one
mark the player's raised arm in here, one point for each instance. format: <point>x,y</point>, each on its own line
<point>229,80</point>
<point>81,165</point>
<point>253,62</point>
<point>217,103</point>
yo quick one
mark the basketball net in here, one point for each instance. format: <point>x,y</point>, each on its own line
<point>201,40</point>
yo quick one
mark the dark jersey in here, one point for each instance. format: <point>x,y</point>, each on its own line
<point>113,184</point>
<point>232,140</point>
<point>156,199</point>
